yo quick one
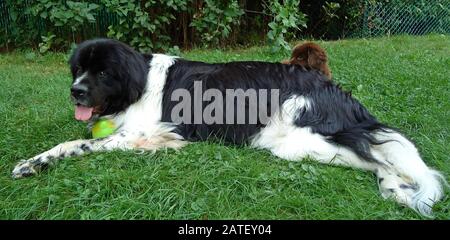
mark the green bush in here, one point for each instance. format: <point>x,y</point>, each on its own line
<point>65,17</point>
<point>286,21</point>
<point>65,13</point>
<point>216,19</point>
<point>147,24</point>
<point>150,25</point>
<point>142,23</point>
<point>18,25</point>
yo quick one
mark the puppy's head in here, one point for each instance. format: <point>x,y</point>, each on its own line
<point>108,76</point>
<point>310,55</point>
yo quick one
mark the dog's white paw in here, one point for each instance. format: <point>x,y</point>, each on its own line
<point>26,168</point>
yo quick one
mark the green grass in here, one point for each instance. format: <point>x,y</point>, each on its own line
<point>404,81</point>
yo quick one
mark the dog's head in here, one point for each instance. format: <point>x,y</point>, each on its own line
<point>310,55</point>
<point>108,76</point>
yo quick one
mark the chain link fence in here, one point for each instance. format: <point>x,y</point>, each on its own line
<point>404,17</point>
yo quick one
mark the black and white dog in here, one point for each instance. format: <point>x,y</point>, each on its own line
<point>315,118</point>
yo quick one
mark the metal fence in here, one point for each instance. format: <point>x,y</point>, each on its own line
<point>407,17</point>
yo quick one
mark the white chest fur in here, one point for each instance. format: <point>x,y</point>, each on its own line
<point>144,116</point>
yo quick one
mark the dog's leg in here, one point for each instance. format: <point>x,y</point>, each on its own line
<point>402,175</point>
<point>405,177</point>
<point>119,141</point>
<point>73,148</point>
<point>293,143</point>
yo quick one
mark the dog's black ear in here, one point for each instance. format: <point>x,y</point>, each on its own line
<point>73,59</point>
<point>136,85</point>
<point>130,72</point>
<point>137,77</point>
<point>147,57</point>
<point>134,69</point>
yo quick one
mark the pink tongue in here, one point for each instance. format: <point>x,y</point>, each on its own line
<point>83,113</point>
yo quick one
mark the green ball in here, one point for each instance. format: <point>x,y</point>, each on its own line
<point>103,128</point>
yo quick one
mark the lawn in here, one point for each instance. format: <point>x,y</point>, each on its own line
<point>404,81</point>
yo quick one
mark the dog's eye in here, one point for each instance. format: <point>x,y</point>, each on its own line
<point>79,70</point>
<point>101,74</point>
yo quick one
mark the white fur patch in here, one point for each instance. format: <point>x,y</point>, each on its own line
<point>80,78</point>
<point>294,143</point>
<point>283,138</point>
<point>402,157</point>
<point>144,116</point>
<point>291,108</point>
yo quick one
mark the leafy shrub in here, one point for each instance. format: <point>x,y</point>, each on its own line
<point>66,18</point>
<point>47,42</point>
<point>216,19</point>
<point>140,24</point>
<point>19,25</point>
<point>160,25</point>
<point>286,20</point>
<point>147,24</point>
<point>65,13</point>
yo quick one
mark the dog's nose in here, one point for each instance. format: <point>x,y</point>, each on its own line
<point>78,91</point>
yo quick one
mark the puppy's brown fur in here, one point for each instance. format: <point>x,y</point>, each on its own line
<point>310,55</point>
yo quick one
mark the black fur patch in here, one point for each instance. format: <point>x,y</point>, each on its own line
<point>333,113</point>
<point>85,147</point>
<point>40,166</point>
<point>26,172</point>
<point>407,186</point>
<point>36,161</point>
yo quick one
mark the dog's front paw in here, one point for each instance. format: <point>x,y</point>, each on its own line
<point>26,168</point>
<point>23,169</point>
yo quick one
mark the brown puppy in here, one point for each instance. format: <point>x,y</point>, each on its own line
<point>310,55</point>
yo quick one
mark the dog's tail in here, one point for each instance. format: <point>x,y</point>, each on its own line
<point>401,172</point>
<point>310,55</point>
<point>418,185</point>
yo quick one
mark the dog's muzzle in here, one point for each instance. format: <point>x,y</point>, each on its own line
<point>79,93</point>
